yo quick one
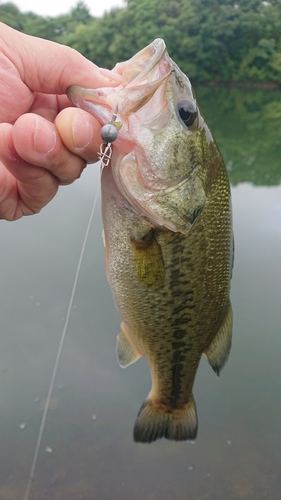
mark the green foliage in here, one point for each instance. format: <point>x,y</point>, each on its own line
<point>97,41</point>
<point>217,40</point>
<point>80,13</point>
<point>211,40</point>
<point>11,15</point>
<point>52,28</point>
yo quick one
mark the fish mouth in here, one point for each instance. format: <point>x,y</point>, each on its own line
<point>144,105</point>
<point>137,69</point>
<point>141,76</point>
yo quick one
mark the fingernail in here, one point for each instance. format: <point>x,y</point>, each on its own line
<point>82,130</point>
<point>44,136</point>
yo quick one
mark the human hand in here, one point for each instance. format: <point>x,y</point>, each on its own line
<point>44,142</point>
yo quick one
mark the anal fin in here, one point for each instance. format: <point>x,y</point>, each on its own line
<point>218,351</point>
<point>127,353</point>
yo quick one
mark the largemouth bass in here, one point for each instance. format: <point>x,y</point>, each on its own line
<point>168,235</point>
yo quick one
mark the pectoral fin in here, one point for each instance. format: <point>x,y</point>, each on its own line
<point>148,260</point>
<point>218,351</point>
<point>127,353</point>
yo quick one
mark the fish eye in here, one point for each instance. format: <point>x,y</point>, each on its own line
<point>187,112</point>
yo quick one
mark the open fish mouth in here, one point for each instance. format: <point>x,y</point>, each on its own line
<point>138,68</point>
<point>141,75</point>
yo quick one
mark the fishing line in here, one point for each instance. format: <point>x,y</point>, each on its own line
<point>51,387</point>
<point>109,134</point>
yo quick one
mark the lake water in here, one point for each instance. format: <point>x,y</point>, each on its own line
<point>87,451</point>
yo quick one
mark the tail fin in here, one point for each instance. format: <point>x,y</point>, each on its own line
<point>155,421</point>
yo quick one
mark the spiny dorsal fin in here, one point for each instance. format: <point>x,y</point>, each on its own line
<point>218,351</point>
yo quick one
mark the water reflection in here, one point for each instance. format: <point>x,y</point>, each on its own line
<point>237,453</point>
<point>247,126</point>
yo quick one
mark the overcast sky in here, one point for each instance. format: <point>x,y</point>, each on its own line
<point>56,7</point>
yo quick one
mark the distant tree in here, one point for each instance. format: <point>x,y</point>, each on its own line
<point>11,15</point>
<point>80,13</point>
<point>47,27</point>
<point>51,28</point>
<point>95,40</point>
<point>218,40</point>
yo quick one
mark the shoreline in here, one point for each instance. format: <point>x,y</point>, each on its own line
<point>232,84</point>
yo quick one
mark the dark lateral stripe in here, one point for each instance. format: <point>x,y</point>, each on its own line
<point>178,367</point>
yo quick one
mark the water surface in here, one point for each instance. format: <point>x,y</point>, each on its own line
<point>87,450</point>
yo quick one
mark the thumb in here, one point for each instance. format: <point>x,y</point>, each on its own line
<point>49,67</point>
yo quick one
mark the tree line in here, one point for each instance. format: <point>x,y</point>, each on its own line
<point>234,41</point>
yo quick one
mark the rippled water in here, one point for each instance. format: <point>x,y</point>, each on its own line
<point>87,450</point>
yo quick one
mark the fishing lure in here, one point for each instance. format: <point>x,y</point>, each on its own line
<point>109,133</point>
